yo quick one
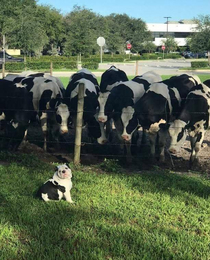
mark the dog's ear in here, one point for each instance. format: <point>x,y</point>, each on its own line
<point>67,165</point>
<point>56,168</point>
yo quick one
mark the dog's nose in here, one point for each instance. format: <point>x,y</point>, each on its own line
<point>63,171</point>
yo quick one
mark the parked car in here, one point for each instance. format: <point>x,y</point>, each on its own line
<point>9,58</point>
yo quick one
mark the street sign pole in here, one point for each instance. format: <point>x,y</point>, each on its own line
<point>101,53</point>
<point>101,43</point>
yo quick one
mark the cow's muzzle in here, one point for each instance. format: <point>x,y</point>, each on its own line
<point>126,137</point>
<point>102,119</point>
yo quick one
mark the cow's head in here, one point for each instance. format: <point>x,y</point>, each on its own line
<point>177,132</point>
<point>62,117</point>
<point>129,121</point>
<point>102,99</point>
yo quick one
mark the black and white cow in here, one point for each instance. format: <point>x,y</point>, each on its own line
<point>16,109</point>
<point>48,103</point>
<point>121,101</point>
<point>160,105</point>
<point>90,100</point>
<point>194,119</point>
<point>109,79</point>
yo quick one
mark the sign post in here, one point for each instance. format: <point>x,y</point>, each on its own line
<point>101,43</point>
<point>163,48</point>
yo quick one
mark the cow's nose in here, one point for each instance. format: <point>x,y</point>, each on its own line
<point>173,150</point>
<point>101,119</point>
<point>64,132</point>
<point>126,137</point>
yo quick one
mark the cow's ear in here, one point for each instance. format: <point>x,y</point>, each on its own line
<point>164,126</point>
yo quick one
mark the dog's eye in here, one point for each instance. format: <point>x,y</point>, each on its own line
<point>66,168</point>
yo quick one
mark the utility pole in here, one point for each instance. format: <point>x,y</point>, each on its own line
<point>167,17</point>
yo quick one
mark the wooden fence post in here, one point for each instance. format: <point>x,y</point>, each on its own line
<point>79,121</point>
<point>137,68</point>
<point>3,70</point>
<point>51,68</point>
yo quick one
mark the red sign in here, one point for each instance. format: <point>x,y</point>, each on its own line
<point>163,47</point>
<point>129,46</point>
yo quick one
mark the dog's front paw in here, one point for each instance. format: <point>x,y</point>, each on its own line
<point>71,201</point>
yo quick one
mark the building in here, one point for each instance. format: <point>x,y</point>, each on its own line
<point>178,30</point>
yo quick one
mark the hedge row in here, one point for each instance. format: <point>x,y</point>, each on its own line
<point>43,65</point>
<point>199,64</point>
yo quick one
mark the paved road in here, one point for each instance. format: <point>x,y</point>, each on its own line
<point>162,67</point>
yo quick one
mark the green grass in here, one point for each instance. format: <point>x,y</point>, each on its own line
<point>117,215</point>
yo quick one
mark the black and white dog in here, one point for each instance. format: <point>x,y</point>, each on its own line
<point>57,187</point>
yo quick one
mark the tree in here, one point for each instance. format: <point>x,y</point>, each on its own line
<point>170,44</point>
<point>21,26</point>
<point>149,46</point>
<point>200,40</point>
<point>52,23</point>
<point>81,32</point>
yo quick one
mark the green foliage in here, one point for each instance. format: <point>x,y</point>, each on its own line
<point>40,65</point>
<point>200,41</point>
<point>170,44</point>
<point>90,65</point>
<point>199,64</point>
<point>111,165</point>
<point>14,66</point>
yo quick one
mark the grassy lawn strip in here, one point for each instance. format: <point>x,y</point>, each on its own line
<point>117,215</point>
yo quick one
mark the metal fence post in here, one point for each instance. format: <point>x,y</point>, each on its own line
<point>79,121</point>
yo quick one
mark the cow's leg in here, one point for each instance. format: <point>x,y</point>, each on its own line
<point>152,140</point>
<point>128,152</point>
<point>196,142</point>
<point>43,120</point>
<point>161,144</point>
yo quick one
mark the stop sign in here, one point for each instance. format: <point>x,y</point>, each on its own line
<point>163,47</point>
<point>129,46</point>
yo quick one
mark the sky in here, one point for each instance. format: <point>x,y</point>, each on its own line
<point>150,11</point>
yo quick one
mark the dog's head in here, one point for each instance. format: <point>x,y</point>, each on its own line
<point>63,171</point>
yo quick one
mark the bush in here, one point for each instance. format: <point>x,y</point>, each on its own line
<point>14,66</point>
<point>199,64</point>
<point>90,65</point>
<point>40,65</point>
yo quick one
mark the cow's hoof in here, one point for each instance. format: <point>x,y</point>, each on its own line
<point>194,163</point>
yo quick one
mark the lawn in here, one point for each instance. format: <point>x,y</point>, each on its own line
<point>117,214</point>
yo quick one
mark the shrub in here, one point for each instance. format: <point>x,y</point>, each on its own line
<point>40,65</point>
<point>90,65</point>
<point>199,64</point>
<point>14,66</point>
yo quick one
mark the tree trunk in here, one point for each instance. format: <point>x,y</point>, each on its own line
<point>209,57</point>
